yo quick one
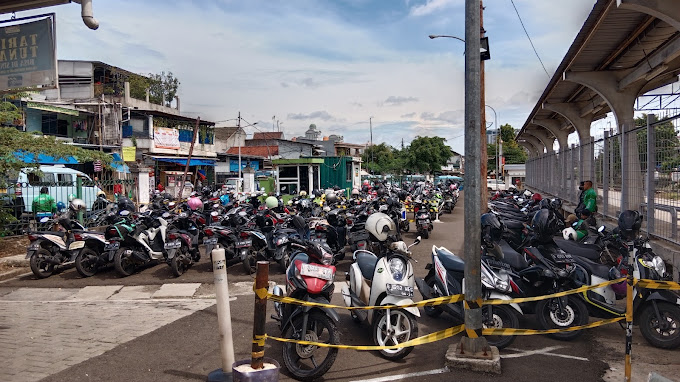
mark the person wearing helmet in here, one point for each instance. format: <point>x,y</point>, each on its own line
<point>100,203</point>
<point>589,202</point>
<point>44,204</point>
<point>195,203</point>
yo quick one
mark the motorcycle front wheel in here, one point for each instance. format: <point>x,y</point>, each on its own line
<point>87,262</point>
<point>664,333</point>
<point>310,362</point>
<point>432,311</point>
<point>553,314</point>
<point>402,327</point>
<point>500,317</point>
<point>40,267</point>
<point>123,263</point>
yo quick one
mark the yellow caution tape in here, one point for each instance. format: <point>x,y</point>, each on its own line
<point>262,293</point>
<point>430,302</point>
<point>531,332</point>
<point>653,284</point>
<point>558,294</point>
<point>428,338</point>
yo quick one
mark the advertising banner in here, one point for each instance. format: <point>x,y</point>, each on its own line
<point>129,154</point>
<point>165,138</point>
<point>27,55</point>
<point>233,165</point>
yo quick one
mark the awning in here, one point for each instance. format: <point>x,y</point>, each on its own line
<point>52,108</point>
<point>183,161</point>
<point>120,167</point>
<point>44,159</point>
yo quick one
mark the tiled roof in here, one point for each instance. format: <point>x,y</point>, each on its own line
<point>269,135</point>
<point>261,151</point>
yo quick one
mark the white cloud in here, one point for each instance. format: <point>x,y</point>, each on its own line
<point>431,6</point>
<point>399,100</point>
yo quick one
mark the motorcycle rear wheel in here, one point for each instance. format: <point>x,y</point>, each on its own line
<point>40,267</point>
<point>426,234</point>
<point>178,264</point>
<point>574,313</point>
<point>250,262</point>
<point>301,360</point>
<point>87,262</point>
<point>668,338</point>
<point>432,311</point>
<point>403,328</point>
<point>501,317</point>
<point>123,263</point>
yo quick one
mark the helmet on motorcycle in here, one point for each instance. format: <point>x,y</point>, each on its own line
<point>536,197</point>
<point>317,193</point>
<point>271,202</point>
<point>61,206</point>
<point>403,195</point>
<point>331,198</point>
<point>101,193</point>
<point>527,194</point>
<point>195,203</point>
<point>125,204</point>
<point>492,229</point>
<point>380,226</point>
<point>364,188</point>
<point>618,288</point>
<point>545,203</point>
<point>556,204</point>
<point>381,192</point>
<point>77,205</point>
<point>544,225</point>
<point>629,224</point>
<point>71,197</point>
<point>355,192</point>
<point>303,194</point>
<point>569,234</point>
<point>392,202</point>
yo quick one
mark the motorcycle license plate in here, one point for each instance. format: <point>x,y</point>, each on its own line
<point>318,240</point>
<point>76,245</point>
<point>210,241</point>
<point>173,244</point>
<point>399,290</point>
<point>244,243</point>
<point>563,257</point>
<point>311,270</point>
<point>424,221</point>
<point>111,246</point>
<point>34,247</point>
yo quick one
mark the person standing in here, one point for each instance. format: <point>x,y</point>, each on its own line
<point>589,203</point>
<point>44,204</point>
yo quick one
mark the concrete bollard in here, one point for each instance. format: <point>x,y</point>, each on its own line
<point>223,317</point>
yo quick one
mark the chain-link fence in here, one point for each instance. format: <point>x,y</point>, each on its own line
<point>648,179</point>
<point>22,206</point>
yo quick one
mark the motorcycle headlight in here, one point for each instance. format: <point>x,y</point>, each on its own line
<point>486,281</point>
<point>397,268</point>
<point>502,285</point>
<point>659,266</point>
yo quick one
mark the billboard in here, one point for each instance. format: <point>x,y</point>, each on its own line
<point>27,55</point>
<point>233,165</point>
<point>166,138</point>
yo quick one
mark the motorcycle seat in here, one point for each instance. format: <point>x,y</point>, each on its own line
<point>366,262</point>
<point>599,270</point>
<point>450,261</point>
<point>512,257</point>
<point>513,224</point>
<point>578,249</point>
<point>287,230</point>
<point>55,233</point>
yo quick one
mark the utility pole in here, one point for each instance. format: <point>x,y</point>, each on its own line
<point>238,182</point>
<point>191,151</point>
<point>370,126</point>
<point>473,344</point>
<point>485,161</point>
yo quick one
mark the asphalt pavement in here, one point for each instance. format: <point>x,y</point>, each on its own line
<point>153,327</point>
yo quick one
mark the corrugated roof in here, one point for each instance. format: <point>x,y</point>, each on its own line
<point>260,151</point>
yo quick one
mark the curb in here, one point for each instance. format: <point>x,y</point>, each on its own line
<point>14,273</point>
<point>15,261</point>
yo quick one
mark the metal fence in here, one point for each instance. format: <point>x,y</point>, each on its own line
<point>17,214</point>
<point>636,182</point>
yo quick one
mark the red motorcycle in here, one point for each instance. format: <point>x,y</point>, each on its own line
<point>308,278</point>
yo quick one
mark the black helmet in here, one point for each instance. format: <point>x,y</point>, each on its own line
<point>317,193</point>
<point>392,202</point>
<point>380,192</point>
<point>125,204</point>
<point>364,188</point>
<point>403,195</point>
<point>556,204</point>
<point>544,225</point>
<point>630,222</point>
<point>492,229</point>
<point>545,203</point>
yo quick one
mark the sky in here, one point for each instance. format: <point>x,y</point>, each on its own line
<point>334,63</point>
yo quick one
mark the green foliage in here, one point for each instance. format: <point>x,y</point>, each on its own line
<point>513,153</point>
<point>427,154</point>
<point>13,140</point>
<point>163,88</point>
<point>378,159</point>
<point>138,86</point>
<point>9,113</point>
<point>507,133</point>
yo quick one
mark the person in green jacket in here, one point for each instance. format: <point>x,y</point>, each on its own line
<point>44,204</point>
<point>589,203</point>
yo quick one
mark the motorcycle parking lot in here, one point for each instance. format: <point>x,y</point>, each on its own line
<point>184,347</point>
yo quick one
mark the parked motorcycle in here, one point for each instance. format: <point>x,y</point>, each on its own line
<point>141,245</point>
<point>50,250</point>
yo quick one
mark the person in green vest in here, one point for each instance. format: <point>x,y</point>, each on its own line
<point>589,203</point>
<point>44,204</point>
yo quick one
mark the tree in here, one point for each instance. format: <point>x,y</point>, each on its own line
<point>427,154</point>
<point>378,159</point>
<point>507,133</point>
<point>13,141</point>
<point>163,88</point>
<point>138,86</point>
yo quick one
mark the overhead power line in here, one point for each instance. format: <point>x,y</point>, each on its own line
<point>531,42</point>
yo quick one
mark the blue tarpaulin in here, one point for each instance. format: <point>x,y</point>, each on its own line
<point>120,167</point>
<point>44,159</point>
<point>183,161</point>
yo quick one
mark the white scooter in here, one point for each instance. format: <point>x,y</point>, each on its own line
<point>145,244</point>
<point>388,280</point>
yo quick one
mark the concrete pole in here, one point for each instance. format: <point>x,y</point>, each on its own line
<point>651,169</point>
<point>605,175</point>
<point>482,97</point>
<point>572,187</point>
<point>473,343</point>
<point>625,166</point>
<point>223,317</point>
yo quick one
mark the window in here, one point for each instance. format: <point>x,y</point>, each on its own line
<point>288,172</point>
<point>51,125</point>
<point>185,135</point>
<point>35,180</point>
<point>348,171</point>
<point>65,178</point>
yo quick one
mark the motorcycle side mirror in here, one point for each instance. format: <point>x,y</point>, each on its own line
<point>601,229</point>
<point>124,212</point>
<point>277,291</point>
<point>44,219</point>
<point>418,239</point>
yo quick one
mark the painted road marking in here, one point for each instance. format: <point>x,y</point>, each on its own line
<point>404,376</point>
<point>545,351</point>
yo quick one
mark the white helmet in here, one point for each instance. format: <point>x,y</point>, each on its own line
<point>77,205</point>
<point>355,192</point>
<point>569,234</point>
<point>527,194</point>
<point>381,226</point>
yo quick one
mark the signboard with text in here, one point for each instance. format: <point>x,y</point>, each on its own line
<point>166,138</point>
<point>27,55</point>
